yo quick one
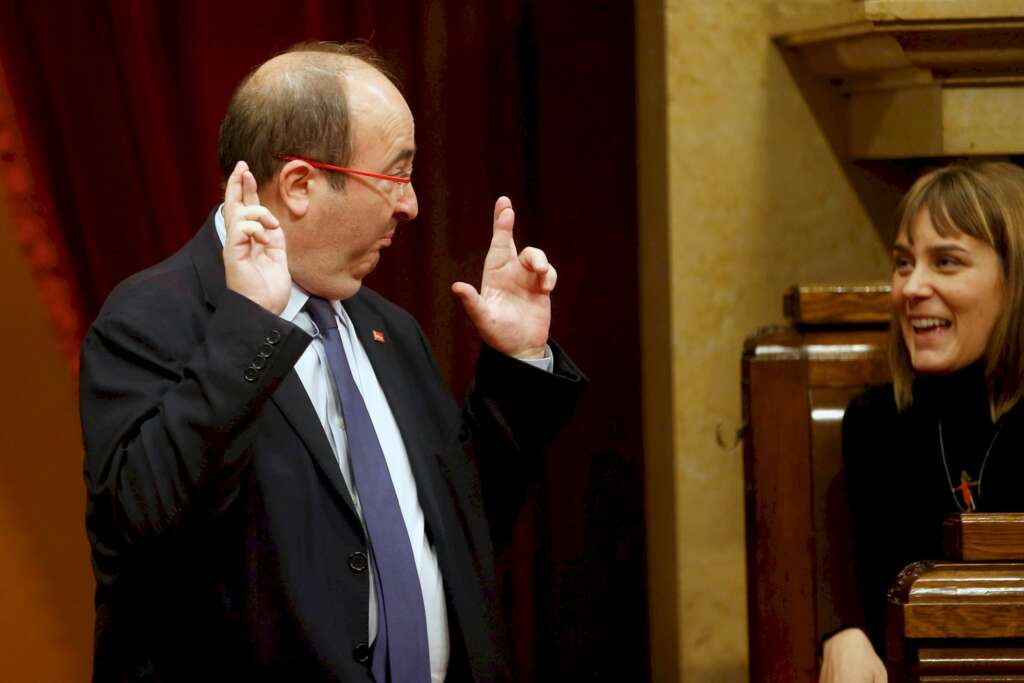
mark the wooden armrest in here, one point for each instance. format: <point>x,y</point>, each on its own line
<point>964,600</point>
<point>984,536</point>
<point>956,621</point>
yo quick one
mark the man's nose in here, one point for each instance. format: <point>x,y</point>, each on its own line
<point>407,207</point>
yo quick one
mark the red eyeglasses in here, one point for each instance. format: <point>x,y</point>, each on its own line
<point>342,169</point>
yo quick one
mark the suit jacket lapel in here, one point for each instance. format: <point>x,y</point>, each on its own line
<point>205,249</point>
<point>290,397</point>
<point>293,401</point>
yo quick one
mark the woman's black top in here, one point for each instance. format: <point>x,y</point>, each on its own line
<point>897,481</point>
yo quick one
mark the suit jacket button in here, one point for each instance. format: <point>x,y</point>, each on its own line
<point>357,562</point>
<point>266,351</point>
<point>273,337</point>
<point>251,374</point>
<point>361,653</point>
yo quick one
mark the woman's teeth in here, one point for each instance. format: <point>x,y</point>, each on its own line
<point>925,324</point>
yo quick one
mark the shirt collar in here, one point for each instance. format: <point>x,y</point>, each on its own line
<point>298,297</point>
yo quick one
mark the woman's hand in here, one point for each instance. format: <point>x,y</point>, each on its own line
<point>849,658</point>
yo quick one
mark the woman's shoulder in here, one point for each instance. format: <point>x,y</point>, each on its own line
<point>873,403</point>
<point>872,430</point>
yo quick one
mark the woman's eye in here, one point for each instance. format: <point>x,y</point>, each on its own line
<point>902,265</point>
<point>947,262</point>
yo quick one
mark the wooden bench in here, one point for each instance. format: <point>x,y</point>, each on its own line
<point>797,381</point>
<point>954,621</point>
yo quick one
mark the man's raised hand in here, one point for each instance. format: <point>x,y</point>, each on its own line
<point>512,310</point>
<point>255,259</point>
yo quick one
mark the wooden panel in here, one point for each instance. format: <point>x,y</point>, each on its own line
<point>984,536</point>
<point>844,373</point>
<point>867,303</point>
<point>934,661</point>
<point>978,582</point>
<point>796,385</point>
<point>971,600</point>
<point>848,358</point>
<point>780,556</point>
<point>845,343</point>
<point>958,620</point>
<point>967,678</point>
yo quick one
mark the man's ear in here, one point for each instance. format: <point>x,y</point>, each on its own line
<point>294,182</point>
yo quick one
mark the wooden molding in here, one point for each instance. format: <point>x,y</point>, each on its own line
<point>984,536</point>
<point>861,304</point>
<point>969,600</point>
<point>921,78</point>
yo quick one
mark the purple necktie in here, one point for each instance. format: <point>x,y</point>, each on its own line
<point>400,653</point>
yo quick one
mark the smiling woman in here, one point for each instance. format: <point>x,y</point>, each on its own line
<point>959,253</point>
<point>947,434</point>
<point>947,295</point>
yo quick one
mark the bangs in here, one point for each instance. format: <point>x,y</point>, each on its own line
<point>956,204</point>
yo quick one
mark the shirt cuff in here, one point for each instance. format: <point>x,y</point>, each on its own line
<point>547,363</point>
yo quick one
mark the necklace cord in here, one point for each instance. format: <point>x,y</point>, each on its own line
<point>981,471</point>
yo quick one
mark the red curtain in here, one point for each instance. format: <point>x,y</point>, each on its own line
<point>38,234</point>
<point>119,103</point>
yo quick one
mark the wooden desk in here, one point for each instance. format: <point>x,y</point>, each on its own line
<point>962,620</point>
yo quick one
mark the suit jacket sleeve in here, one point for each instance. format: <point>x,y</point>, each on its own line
<point>168,391</point>
<point>512,411</point>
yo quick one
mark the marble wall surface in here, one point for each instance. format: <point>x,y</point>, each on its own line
<point>742,194</point>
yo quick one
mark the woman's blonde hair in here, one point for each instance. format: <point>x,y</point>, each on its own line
<point>986,201</point>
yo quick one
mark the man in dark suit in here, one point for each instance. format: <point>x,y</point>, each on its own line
<point>280,485</point>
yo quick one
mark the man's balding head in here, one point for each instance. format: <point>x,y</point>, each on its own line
<point>294,103</point>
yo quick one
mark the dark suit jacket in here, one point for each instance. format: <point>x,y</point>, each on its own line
<point>224,541</point>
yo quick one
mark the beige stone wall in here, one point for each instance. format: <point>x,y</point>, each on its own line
<point>741,195</point>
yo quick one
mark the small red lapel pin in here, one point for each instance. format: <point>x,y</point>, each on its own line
<point>378,336</point>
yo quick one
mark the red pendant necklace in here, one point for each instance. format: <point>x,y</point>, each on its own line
<point>964,487</point>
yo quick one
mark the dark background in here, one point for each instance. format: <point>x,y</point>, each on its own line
<point>119,103</point>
